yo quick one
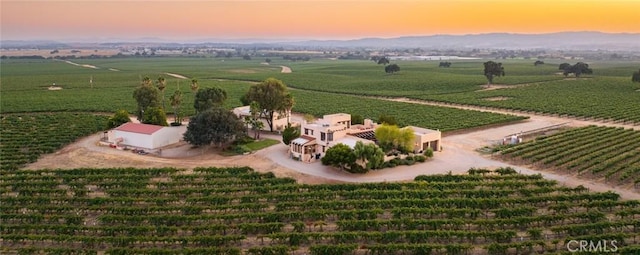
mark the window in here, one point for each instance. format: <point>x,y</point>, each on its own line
<point>322,136</point>
<point>306,131</point>
<point>330,137</point>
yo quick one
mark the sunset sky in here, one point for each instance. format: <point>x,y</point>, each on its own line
<point>307,19</point>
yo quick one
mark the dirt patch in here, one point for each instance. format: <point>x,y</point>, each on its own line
<point>502,86</point>
<point>54,88</point>
<point>285,69</point>
<point>87,153</point>
<point>177,76</point>
<point>497,98</point>
<point>114,70</point>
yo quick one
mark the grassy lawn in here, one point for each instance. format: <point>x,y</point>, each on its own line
<point>261,144</point>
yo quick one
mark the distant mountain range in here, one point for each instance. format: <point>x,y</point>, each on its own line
<point>560,41</point>
<point>564,40</point>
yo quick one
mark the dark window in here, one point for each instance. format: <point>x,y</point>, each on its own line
<point>322,136</point>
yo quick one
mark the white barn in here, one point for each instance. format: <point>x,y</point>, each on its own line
<point>145,135</point>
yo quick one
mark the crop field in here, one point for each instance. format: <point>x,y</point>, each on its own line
<point>612,154</point>
<point>608,93</point>
<point>239,211</point>
<point>27,136</point>
<point>26,83</point>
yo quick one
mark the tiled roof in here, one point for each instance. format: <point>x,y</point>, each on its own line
<point>139,128</point>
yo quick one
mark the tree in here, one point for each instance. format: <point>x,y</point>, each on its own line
<point>538,62</point>
<point>209,97</point>
<point>215,126</point>
<point>161,84</point>
<point>254,119</point>
<point>392,68</point>
<point>176,102</point>
<point>370,154</point>
<point>268,60</point>
<point>288,106</point>
<point>357,119</point>
<point>246,57</point>
<point>445,64</point>
<point>383,60</point>
<point>119,117</point>
<point>146,96</point>
<point>155,116</point>
<point>492,69</point>
<point>636,76</point>
<point>272,96</point>
<point>194,85</point>
<point>577,69</point>
<point>390,137</point>
<point>339,155</point>
<point>564,66</point>
<point>387,119</point>
<point>290,133</point>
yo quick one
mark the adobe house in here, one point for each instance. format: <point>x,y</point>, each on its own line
<point>333,129</point>
<point>280,121</point>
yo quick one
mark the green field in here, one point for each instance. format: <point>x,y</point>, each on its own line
<point>25,83</point>
<point>611,155</point>
<point>27,136</point>
<point>607,94</point>
<point>238,211</point>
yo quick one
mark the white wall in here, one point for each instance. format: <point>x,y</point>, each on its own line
<point>166,136</point>
<point>134,139</point>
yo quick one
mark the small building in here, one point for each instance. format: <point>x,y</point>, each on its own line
<point>280,121</point>
<point>145,135</point>
<point>426,138</point>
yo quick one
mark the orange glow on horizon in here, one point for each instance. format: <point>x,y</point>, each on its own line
<point>309,19</point>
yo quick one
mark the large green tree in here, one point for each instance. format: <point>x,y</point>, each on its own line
<point>146,96</point>
<point>636,76</point>
<point>216,126</point>
<point>272,96</point>
<point>577,69</point>
<point>492,69</point>
<point>155,116</point>
<point>119,117</point>
<point>339,155</point>
<point>370,154</point>
<point>208,98</point>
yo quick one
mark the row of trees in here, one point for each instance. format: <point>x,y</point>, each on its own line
<point>215,125</point>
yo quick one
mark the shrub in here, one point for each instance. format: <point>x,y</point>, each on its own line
<point>428,153</point>
<point>420,158</point>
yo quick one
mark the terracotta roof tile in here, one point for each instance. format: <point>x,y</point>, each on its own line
<point>139,128</point>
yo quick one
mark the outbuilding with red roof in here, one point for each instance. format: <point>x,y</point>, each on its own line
<point>145,135</point>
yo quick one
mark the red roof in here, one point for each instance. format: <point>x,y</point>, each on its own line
<point>146,129</point>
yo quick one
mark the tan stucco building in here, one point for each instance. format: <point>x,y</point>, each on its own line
<point>318,136</point>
